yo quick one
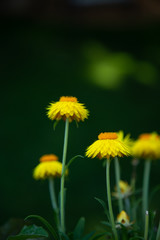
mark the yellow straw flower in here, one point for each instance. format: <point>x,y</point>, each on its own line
<point>108,145</point>
<point>123,219</point>
<point>48,167</point>
<point>126,139</point>
<point>67,108</point>
<point>147,146</point>
<point>125,189</point>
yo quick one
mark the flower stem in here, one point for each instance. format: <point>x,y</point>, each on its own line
<point>127,206</point>
<point>52,195</point>
<point>109,199</point>
<point>147,168</point>
<point>53,200</point>
<point>62,220</point>
<point>146,226</point>
<point>117,173</point>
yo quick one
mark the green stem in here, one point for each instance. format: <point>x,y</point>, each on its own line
<point>133,187</point>
<point>52,195</point>
<point>53,200</point>
<point>117,173</point>
<point>146,226</point>
<point>127,206</point>
<point>109,199</point>
<point>147,168</point>
<point>62,220</point>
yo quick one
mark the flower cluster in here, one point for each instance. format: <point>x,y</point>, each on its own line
<point>110,146</point>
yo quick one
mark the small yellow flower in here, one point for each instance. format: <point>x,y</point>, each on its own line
<point>147,146</point>
<point>67,108</point>
<point>125,189</point>
<point>48,167</point>
<point>123,219</point>
<point>108,145</point>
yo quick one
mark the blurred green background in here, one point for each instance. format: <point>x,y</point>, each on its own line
<point>113,70</point>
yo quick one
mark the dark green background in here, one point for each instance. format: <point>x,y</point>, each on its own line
<point>41,62</point>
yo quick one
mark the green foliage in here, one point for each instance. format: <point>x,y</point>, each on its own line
<point>53,231</point>
<point>79,229</point>
<point>103,204</point>
<point>55,125</point>
<point>72,160</point>
<point>97,236</point>
<point>88,236</point>
<point>106,224</point>
<point>31,231</point>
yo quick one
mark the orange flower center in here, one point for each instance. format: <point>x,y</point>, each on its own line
<point>68,99</point>
<point>48,158</point>
<point>107,135</point>
<point>147,136</point>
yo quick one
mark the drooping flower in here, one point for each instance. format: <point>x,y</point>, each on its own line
<point>147,146</point>
<point>123,219</point>
<point>49,166</point>
<point>67,108</point>
<point>108,145</point>
<point>125,189</point>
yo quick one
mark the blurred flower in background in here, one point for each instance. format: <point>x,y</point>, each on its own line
<point>110,70</point>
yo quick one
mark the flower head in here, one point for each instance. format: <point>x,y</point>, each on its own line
<point>125,189</point>
<point>108,145</point>
<point>48,167</point>
<point>123,219</point>
<point>147,146</point>
<point>67,108</point>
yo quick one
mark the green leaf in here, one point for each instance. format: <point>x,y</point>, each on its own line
<point>101,202</point>
<point>77,124</point>
<point>158,232</point>
<point>104,163</point>
<point>106,224</point>
<point>52,231</point>
<point>64,236</point>
<point>55,125</point>
<point>72,159</point>
<point>79,229</point>
<point>104,206</point>
<point>31,231</point>
<point>88,236</point>
<point>97,236</point>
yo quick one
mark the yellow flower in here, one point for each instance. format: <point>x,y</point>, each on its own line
<point>125,189</point>
<point>108,145</point>
<point>123,219</point>
<point>67,108</point>
<point>48,167</point>
<point>126,139</point>
<point>147,146</point>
